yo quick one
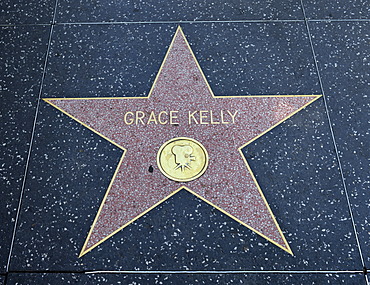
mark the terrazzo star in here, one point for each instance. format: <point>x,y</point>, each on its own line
<point>185,156</point>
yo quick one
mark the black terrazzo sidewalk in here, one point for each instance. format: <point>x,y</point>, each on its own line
<point>314,167</point>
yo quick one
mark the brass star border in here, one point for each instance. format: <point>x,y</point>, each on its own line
<point>180,88</point>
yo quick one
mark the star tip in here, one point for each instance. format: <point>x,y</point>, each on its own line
<point>82,253</point>
<point>288,250</point>
<point>179,30</point>
<point>317,97</point>
<point>48,100</point>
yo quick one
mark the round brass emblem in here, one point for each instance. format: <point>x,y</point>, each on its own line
<point>182,159</point>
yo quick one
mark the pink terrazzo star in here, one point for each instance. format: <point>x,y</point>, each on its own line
<point>181,104</point>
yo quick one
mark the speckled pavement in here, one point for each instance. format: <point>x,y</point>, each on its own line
<point>297,72</point>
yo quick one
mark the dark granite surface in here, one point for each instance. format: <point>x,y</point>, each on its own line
<point>123,60</point>
<point>15,12</point>
<point>338,9</point>
<point>302,181</point>
<point>224,279</point>
<point>177,10</point>
<point>295,164</point>
<point>343,58</point>
<point>22,54</point>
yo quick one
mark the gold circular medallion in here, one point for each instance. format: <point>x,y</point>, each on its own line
<point>182,159</point>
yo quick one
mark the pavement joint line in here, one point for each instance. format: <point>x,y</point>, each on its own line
<point>178,22</point>
<point>184,22</point>
<point>338,20</point>
<point>333,139</point>
<point>24,25</point>
<point>225,272</point>
<point>31,142</point>
<point>186,272</point>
